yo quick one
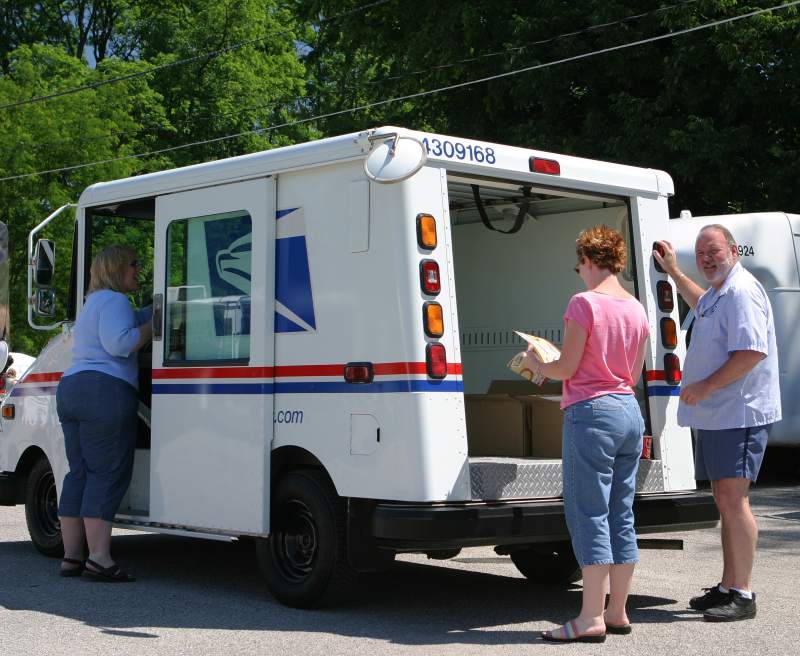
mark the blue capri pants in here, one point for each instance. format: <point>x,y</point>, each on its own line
<point>602,444</point>
<point>98,416</point>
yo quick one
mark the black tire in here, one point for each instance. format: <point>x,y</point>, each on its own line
<point>304,560</point>
<point>551,563</point>
<point>41,509</point>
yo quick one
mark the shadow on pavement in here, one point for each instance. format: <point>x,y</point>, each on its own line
<point>198,584</point>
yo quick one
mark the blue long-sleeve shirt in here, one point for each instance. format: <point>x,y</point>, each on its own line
<point>106,334</point>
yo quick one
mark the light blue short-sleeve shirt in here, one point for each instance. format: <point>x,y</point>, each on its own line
<point>736,317</point>
<point>106,334</point>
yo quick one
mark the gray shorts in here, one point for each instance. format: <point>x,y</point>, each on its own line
<point>730,453</point>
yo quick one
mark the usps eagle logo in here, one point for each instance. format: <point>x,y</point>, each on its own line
<point>294,302</point>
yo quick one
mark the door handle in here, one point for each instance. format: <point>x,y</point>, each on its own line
<point>158,316</point>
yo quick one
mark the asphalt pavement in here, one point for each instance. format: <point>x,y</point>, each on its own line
<point>200,597</point>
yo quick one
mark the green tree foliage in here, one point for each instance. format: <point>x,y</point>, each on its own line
<point>90,126</point>
<point>229,92</point>
<point>716,108</point>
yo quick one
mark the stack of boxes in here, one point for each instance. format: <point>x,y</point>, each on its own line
<point>515,419</point>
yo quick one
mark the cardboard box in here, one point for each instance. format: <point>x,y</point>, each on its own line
<point>497,425</point>
<point>546,421</point>
<point>515,419</point>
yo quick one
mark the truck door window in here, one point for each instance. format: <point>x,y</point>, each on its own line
<point>208,289</point>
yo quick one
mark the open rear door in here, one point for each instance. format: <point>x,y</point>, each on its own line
<point>213,357</point>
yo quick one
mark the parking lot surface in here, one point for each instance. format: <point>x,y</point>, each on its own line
<point>200,597</point>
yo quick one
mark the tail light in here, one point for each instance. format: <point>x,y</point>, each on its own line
<point>541,165</point>
<point>432,319</point>
<point>647,447</point>
<point>426,231</point>
<point>672,369</point>
<point>669,333</point>
<point>358,372</point>
<point>436,360</point>
<point>429,277</point>
<point>666,301</point>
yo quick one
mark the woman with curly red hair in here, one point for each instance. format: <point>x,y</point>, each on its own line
<point>605,337</point>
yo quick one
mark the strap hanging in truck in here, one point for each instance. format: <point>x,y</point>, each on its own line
<point>523,210</point>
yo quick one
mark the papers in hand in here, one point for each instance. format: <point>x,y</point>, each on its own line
<point>539,349</point>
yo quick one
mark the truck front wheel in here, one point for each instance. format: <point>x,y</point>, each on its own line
<point>304,560</point>
<point>41,509</point>
<point>551,563</point>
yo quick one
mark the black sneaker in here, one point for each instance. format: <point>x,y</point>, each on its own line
<point>738,607</point>
<point>713,597</point>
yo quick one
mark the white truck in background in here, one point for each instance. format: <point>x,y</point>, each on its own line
<point>769,248</point>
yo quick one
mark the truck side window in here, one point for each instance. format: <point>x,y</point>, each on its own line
<point>208,289</point>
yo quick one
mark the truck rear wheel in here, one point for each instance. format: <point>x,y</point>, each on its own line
<point>41,509</point>
<point>551,563</point>
<point>304,560</point>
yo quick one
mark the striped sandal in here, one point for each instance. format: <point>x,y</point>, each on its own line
<point>569,633</point>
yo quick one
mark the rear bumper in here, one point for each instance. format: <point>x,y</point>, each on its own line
<point>10,486</point>
<point>448,525</point>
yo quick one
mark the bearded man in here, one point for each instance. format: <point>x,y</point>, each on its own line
<point>730,396</point>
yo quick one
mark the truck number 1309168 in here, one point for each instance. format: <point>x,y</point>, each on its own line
<point>458,150</point>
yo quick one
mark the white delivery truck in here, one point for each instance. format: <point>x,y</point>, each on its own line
<point>332,323</point>
<point>769,247</point>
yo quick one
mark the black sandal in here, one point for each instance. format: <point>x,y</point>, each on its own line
<point>113,574</point>
<point>72,571</point>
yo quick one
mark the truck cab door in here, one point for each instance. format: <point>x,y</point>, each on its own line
<point>213,357</point>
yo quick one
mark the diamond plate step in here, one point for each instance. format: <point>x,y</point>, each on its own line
<point>494,479</point>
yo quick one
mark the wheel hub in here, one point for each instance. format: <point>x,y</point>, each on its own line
<point>295,541</point>
<point>47,505</point>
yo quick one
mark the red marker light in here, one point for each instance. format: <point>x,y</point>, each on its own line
<point>436,359</point>
<point>666,301</point>
<point>548,166</point>
<point>429,277</point>
<point>358,372</point>
<point>672,369</point>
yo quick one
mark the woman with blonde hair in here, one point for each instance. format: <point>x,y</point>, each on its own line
<point>97,402</point>
<point>605,337</point>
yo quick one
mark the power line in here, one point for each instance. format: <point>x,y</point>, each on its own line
<point>154,128</point>
<point>585,30</point>
<point>419,94</point>
<point>470,60</point>
<point>205,56</point>
<point>373,82</point>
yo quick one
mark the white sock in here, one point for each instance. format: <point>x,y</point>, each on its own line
<point>747,594</point>
<point>722,588</point>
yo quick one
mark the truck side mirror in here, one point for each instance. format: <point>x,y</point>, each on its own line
<point>45,303</point>
<point>44,261</point>
<point>3,354</point>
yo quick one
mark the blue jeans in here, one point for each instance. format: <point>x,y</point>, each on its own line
<point>602,444</point>
<point>98,416</point>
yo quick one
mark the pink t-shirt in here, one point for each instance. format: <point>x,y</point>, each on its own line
<point>616,328</point>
